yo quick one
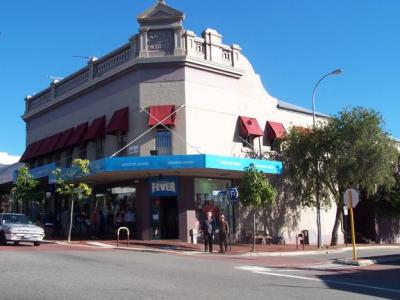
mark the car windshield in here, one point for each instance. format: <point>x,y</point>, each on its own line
<point>16,219</point>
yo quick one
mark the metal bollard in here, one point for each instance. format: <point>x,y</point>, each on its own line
<point>127,231</point>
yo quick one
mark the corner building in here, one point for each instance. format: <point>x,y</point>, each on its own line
<point>169,121</point>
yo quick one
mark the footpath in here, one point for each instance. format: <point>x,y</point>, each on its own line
<point>178,247</point>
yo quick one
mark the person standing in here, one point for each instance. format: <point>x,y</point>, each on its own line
<point>223,234</point>
<point>208,231</point>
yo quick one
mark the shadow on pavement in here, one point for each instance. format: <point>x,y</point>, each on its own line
<point>379,283</point>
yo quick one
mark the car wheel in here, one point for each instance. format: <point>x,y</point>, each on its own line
<point>36,244</point>
<point>3,240</point>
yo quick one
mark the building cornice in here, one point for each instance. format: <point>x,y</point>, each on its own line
<point>122,69</point>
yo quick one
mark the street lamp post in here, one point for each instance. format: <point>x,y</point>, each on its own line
<point>317,198</point>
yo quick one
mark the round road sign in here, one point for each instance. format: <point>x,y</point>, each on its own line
<point>355,198</point>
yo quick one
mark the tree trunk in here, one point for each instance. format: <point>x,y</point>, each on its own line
<point>334,239</point>
<point>71,220</point>
<point>254,231</point>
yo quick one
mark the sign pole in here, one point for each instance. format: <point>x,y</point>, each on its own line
<point>353,235</point>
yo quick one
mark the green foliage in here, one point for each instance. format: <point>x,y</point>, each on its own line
<point>68,184</point>
<point>255,190</point>
<point>351,150</point>
<point>25,186</point>
<point>388,199</point>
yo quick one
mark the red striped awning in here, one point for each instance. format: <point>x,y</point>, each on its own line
<point>96,129</point>
<point>275,130</point>
<point>48,144</point>
<point>28,152</point>
<point>164,113</point>
<point>250,127</point>
<point>64,138</point>
<point>43,149</point>
<point>53,142</point>
<point>78,135</point>
<point>31,151</point>
<point>119,121</point>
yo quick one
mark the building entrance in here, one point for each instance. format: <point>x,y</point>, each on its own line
<point>165,218</point>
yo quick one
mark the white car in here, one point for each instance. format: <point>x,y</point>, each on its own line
<point>18,228</point>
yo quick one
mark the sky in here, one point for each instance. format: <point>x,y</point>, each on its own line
<point>290,43</point>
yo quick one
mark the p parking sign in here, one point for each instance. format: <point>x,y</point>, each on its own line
<point>233,194</point>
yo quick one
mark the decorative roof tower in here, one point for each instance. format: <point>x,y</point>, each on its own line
<point>161,31</point>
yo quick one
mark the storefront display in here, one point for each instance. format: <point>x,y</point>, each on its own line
<point>211,195</point>
<point>111,206</point>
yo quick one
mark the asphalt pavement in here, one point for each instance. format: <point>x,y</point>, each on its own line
<point>88,272</point>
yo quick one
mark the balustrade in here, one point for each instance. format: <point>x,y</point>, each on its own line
<point>195,46</point>
<point>112,61</point>
<point>70,84</point>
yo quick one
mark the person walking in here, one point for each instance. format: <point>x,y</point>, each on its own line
<point>208,231</point>
<point>223,234</point>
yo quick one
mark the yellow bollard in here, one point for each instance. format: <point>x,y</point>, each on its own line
<point>353,234</point>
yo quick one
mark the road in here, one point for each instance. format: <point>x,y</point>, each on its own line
<point>78,272</point>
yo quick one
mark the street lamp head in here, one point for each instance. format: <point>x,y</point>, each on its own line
<point>336,72</point>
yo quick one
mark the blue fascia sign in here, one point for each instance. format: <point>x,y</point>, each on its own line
<point>171,162</point>
<point>39,172</point>
<point>239,164</point>
<point>163,186</point>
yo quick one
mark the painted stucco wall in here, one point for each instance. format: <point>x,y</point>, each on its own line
<point>137,89</point>
<point>213,104</point>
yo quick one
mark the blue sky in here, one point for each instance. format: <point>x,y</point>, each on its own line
<point>290,43</point>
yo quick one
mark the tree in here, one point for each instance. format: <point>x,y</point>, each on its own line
<point>388,198</point>
<point>68,184</point>
<point>349,150</point>
<point>255,191</point>
<point>25,186</point>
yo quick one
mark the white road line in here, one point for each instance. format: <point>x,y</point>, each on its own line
<point>101,245</point>
<point>261,270</point>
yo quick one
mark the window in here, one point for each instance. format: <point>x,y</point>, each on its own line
<point>57,159</point>
<point>163,141</point>
<point>68,158</point>
<point>247,141</point>
<point>122,141</point>
<point>99,148</point>
<point>82,151</point>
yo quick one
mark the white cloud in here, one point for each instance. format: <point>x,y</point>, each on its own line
<point>7,159</point>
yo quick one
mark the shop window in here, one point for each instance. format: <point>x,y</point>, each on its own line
<point>211,195</point>
<point>99,148</point>
<point>113,205</point>
<point>163,142</point>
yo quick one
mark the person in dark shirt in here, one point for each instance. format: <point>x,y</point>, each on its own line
<point>208,231</point>
<point>223,234</point>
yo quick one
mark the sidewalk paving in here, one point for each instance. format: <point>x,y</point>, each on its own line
<point>177,246</point>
